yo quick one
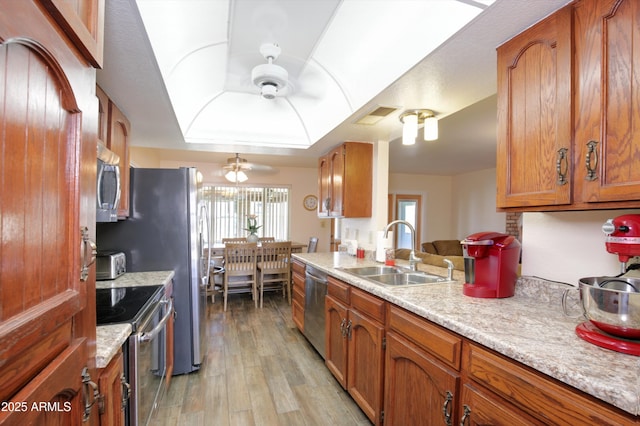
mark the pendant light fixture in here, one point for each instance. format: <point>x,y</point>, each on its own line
<point>412,118</point>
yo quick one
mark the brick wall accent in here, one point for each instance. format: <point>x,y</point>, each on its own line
<point>513,228</point>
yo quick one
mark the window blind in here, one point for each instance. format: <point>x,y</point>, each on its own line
<point>231,206</point>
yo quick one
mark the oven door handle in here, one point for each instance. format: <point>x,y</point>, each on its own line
<point>145,337</point>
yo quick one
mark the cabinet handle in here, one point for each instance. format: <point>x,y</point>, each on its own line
<point>465,416</point>
<point>592,156</point>
<point>88,252</point>
<point>343,329</point>
<point>562,166</point>
<point>349,324</point>
<point>446,408</point>
<point>90,388</point>
<point>126,391</point>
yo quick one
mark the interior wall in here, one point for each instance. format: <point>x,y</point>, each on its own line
<point>474,204</point>
<point>437,202</point>
<point>301,180</point>
<point>567,246</point>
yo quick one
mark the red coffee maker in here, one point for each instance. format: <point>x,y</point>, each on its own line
<point>490,264</point>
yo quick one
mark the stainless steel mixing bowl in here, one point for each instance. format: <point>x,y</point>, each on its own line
<point>612,304</point>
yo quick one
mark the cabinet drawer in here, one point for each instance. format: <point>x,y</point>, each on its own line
<point>298,268</point>
<point>297,312</point>
<point>339,290</point>
<point>441,343</point>
<point>536,394</point>
<point>298,295</point>
<point>367,304</point>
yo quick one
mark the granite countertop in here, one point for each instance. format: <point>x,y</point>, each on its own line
<point>109,338</point>
<point>529,327</point>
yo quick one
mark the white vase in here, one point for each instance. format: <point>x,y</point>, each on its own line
<point>252,238</point>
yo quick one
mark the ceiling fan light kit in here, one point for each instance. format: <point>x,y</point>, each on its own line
<point>270,78</point>
<point>410,120</point>
<point>236,176</point>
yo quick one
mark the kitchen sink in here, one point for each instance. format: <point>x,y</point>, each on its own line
<point>373,270</point>
<point>394,276</point>
<point>406,278</point>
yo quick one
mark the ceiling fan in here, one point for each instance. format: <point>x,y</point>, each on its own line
<point>237,168</point>
<point>270,78</point>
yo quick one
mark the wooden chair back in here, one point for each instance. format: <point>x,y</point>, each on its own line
<point>234,240</point>
<point>275,267</point>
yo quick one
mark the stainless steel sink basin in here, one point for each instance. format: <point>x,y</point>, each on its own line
<point>373,270</point>
<point>394,276</point>
<point>407,278</point>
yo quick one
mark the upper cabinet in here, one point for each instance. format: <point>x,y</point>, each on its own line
<point>83,22</point>
<point>345,179</point>
<point>118,142</point>
<point>113,131</point>
<point>534,115</point>
<point>568,133</point>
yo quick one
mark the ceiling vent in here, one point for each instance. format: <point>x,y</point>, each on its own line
<point>376,115</point>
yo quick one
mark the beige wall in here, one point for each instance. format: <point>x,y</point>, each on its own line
<point>474,204</point>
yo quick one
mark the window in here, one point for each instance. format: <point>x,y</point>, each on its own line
<point>231,205</point>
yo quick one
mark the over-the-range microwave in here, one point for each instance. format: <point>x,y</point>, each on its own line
<point>108,185</point>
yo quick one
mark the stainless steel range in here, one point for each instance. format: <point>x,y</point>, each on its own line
<point>147,309</point>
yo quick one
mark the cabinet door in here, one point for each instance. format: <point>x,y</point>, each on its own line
<point>297,304</point>
<point>478,408</point>
<point>607,99</point>
<point>335,339</point>
<point>418,389</point>
<point>365,370</point>
<point>48,114</point>
<point>83,22</point>
<point>534,154</point>
<point>118,142</point>
<point>324,186</point>
<point>110,385</point>
<point>336,164</point>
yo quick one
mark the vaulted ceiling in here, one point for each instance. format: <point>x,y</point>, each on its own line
<point>184,80</point>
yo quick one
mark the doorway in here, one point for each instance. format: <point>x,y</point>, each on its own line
<point>408,207</point>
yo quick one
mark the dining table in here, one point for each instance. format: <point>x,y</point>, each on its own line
<point>217,264</point>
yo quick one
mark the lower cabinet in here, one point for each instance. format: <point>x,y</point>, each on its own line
<point>298,293</point>
<point>115,392</point>
<point>354,345</point>
<point>402,369</point>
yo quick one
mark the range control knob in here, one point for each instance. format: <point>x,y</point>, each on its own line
<point>608,227</point>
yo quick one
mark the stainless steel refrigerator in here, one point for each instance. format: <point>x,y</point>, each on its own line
<point>168,229</point>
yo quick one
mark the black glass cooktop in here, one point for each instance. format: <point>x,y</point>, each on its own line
<point>126,304</point>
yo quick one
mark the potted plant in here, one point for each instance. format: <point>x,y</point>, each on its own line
<point>252,227</point>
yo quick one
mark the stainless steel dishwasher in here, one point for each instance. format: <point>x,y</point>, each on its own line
<point>314,317</point>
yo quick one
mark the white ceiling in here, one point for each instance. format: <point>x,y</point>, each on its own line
<point>318,39</point>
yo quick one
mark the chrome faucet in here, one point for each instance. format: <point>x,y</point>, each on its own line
<point>413,260</point>
<point>449,269</point>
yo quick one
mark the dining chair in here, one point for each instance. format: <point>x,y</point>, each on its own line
<point>267,239</point>
<point>274,267</point>
<point>234,240</point>
<point>313,245</point>
<point>240,270</point>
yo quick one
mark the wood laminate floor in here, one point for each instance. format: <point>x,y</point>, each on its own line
<point>259,370</point>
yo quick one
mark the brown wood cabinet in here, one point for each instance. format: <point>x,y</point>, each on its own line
<point>345,179</point>
<point>526,393</point>
<point>118,142</point>
<point>534,150</point>
<point>298,300</point>
<point>49,118</point>
<point>421,377</point>
<point>354,345</point>
<point>567,102</point>
<point>113,132</point>
<point>607,136</point>
<point>114,390</point>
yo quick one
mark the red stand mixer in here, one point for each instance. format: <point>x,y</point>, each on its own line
<point>490,264</point>
<point>610,303</point>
